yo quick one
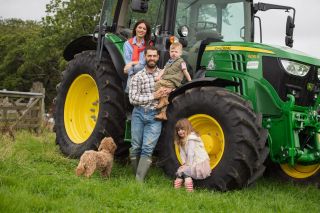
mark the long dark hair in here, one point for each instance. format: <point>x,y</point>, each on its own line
<point>147,37</point>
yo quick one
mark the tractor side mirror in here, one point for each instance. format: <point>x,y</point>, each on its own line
<point>140,6</point>
<point>289,31</point>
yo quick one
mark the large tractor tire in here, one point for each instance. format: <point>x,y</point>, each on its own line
<point>89,106</point>
<point>232,134</point>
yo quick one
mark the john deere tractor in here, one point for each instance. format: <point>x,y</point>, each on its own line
<point>254,105</point>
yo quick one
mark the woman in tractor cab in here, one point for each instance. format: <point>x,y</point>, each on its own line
<point>134,49</point>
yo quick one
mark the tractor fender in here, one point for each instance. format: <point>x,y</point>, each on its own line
<point>116,58</point>
<point>79,45</point>
<point>203,82</point>
<point>87,42</point>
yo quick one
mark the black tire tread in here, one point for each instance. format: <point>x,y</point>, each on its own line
<point>111,118</point>
<point>241,167</point>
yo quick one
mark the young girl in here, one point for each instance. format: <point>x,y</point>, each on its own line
<point>195,160</point>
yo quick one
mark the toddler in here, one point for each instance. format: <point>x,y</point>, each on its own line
<point>171,76</point>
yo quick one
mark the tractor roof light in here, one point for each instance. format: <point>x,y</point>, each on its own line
<point>173,39</point>
<point>295,68</point>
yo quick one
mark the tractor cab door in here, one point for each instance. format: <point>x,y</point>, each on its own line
<point>120,16</point>
<point>211,21</point>
<point>132,11</point>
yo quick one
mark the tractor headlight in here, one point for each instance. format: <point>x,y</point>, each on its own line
<point>295,68</point>
<point>319,73</point>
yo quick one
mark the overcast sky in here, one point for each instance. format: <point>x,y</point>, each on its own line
<point>306,33</point>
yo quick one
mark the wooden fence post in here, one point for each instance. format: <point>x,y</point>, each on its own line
<point>37,87</point>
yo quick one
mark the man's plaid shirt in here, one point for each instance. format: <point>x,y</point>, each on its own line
<point>141,89</point>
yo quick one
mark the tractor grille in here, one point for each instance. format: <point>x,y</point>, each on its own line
<point>285,83</point>
<point>238,62</point>
<point>230,62</point>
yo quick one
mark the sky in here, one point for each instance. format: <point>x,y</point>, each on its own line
<point>306,33</point>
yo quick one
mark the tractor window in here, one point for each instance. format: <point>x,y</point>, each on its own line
<point>109,11</point>
<point>207,13</point>
<point>233,21</point>
<point>209,20</point>
<point>200,17</point>
<point>154,15</point>
<point>201,20</point>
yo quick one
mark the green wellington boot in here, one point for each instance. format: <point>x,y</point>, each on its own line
<point>143,167</point>
<point>134,164</point>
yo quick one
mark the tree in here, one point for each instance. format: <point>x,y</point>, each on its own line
<point>65,21</point>
<point>14,36</point>
<point>33,51</point>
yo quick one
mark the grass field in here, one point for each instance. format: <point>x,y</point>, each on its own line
<point>35,177</point>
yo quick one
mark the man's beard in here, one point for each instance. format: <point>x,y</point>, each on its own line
<point>151,64</point>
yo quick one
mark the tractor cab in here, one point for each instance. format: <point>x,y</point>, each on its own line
<point>193,23</point>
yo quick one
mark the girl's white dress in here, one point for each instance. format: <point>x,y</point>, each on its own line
<point>195,160</point>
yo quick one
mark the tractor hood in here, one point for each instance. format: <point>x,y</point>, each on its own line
<point>277,51</point>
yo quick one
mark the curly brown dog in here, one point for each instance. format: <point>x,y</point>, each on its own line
<point>101,159</point>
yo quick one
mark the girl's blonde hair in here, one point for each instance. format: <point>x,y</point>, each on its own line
<point>185,125</point>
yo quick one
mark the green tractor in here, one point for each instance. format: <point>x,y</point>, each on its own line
<point>254,105</point>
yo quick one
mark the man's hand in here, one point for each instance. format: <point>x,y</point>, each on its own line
<point>160,75</point>
<point>126,68</point>
<point>158,94</point>
<point>129,65</point>
<point>162,92</point>
<point>166,91</point>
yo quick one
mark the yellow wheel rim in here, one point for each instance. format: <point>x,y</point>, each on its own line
<point>300,171</point>
<point>212,136</point>
<point>81,108</point>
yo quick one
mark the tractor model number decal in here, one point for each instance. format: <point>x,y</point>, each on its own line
<point>253,56</point>
<point>252,65</point>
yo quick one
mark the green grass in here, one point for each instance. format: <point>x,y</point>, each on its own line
<point>35,177</point>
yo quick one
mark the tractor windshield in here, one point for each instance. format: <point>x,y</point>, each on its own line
<point>217,19</point>
<point>212,20</point>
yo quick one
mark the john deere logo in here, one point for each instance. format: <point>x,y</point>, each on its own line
<point>310,86</point>
<point>211,65</point>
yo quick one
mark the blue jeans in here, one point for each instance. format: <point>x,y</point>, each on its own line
<point>131,72</point>
<point>145,132</point>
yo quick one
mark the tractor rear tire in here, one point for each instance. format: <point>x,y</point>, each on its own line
<point>89,106</point>
<point>231,132</point>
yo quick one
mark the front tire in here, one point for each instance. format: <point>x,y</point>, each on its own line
<point>230,130</point>
<point>89,106</point>
<point>300,174</point>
